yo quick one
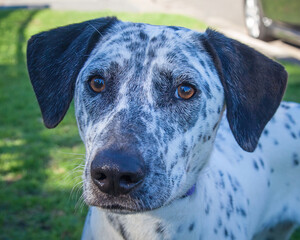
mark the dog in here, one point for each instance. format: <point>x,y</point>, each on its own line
<point>178,126</point>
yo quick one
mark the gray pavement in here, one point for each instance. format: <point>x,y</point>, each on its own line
<point>224,15</point>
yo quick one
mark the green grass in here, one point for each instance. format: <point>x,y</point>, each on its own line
<point>36,164</point>
<point>293,90</point>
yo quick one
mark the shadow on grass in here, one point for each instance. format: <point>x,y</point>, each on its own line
<point>28,208</point>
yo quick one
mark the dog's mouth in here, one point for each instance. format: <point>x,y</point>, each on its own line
<point>120,209</point>
<point>117,208</point>
<point>130,206</point>
<point>124,206</point>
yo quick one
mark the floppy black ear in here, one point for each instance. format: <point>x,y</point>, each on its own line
<point>253,86</point>
<point>54,59</point>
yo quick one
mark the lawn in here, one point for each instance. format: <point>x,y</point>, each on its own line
<point>40,169</point>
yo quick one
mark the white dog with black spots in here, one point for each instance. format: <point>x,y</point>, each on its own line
<point>180,137</point>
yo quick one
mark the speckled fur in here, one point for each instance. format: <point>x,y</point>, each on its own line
<point>236,195</point>
<point>239,195</point>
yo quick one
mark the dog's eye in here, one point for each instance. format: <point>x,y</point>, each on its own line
<point>184,91</point>
<point>97,84</point>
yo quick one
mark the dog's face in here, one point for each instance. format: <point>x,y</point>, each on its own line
<point>148,103</point>
<point>145,69</point>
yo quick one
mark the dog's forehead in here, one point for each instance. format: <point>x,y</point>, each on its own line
<point>143,42</point>
<point>136,35</point>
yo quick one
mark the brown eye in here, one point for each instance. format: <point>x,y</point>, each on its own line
<point>184,91</point>
<point>97,84</point>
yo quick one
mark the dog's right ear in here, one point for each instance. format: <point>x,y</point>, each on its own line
<point>54,59</point>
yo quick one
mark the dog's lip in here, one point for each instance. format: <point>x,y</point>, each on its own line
<point>124,209</point>
<point>121,209</point>
<point>117,208</point>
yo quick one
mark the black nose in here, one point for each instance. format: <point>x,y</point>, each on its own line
<point>116,172</point>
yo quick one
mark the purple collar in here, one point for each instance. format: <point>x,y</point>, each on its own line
<point>191,191</point>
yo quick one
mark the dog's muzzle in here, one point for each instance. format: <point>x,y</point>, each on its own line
<point>117,172</point>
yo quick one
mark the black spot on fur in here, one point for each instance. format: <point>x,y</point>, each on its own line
<point>221,182</point>
<point>225,232</point>
<point>259,146</point>
<point>285,106</point>
<point>151,53</point>
<point>255,165</point>
<point>184,149</point>
<point>219,222</point>
<point>262,163</point>
<point>295,159</point>
<point>228,213</point>
<point>159,228</point>
<point>207,208</point>
<point>234,183</point>
<point>143,36</point>
<point>133,46</point>
<point>122,231</point>
<point>232,237</point>
<point>207,90</point>
<point>191,227</point>
<point>242,212</point>
<point>290,118</point>
<point>230,200</point>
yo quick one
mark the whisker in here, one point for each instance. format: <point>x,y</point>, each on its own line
<point>70,153</point>
<point>96,29</point>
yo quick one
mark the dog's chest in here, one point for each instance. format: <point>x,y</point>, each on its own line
<point>166,224</point>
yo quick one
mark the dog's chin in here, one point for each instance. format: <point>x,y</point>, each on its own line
<point>120,207</point>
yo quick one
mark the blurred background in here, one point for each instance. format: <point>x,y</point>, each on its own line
<point>40,169</point>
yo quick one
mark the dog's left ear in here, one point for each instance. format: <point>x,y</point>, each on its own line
<point>253,85</point>
<point>54,59</point>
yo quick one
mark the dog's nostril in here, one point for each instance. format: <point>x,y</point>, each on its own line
<point>125,179</point>
<point>101,176</point>
<point>128,179</point>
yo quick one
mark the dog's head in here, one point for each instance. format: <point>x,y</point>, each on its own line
<point>148,103</point>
